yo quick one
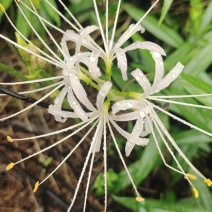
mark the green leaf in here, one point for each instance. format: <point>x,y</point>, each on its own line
<point>21,24</point>
<point>191,137</point>
<point>12,71</point>
<point>195,85</point>
<point>51,12</point>
<point>201,118</point>
<point>6,4</point>
<point>166,6</point>
<point>162,32</point>
<point>157,205</point>
<point>207,16</point>
<point>205,197</point>
<point>200,62</point>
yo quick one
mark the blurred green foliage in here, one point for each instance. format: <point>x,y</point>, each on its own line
<point>186,38</point>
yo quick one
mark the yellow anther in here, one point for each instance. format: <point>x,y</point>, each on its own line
<point>10,166</point>
<point>208,182</point>
<point>196,193</point>
<point>191,176</point>
<point>18,0</point>
<point>139,199</point>
<point>36,186</point>
<point>9,139</point>
<point>2,7</point>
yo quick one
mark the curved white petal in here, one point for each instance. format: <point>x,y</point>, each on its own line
<point>126,104</point>
<point>122,61</point>
<point>80,92</point>
<point>131,138</point>
<point>60,115</point>
<point>83,36</point>
<point>102,95</point>
<point>76,106</point>
<point>142,80</point>
<point>159,69</point>
<point>169,78</point>
<point>128,33</point>
<point>70,35</point>
<point>92,63</point>
<point>152,47</point>
<point>126,116</point>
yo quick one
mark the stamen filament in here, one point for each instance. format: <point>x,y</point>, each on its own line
<point>121,157</point>
<point>181,120</point>
<point>179,103</point>
<point>84,166</point>
<point>115,24</point>
<point>57,64</point>
<point>100,25</point>
<point>70,153</point>
<point>38,36</point>
<point>33,104</point>
<point>31,81</point>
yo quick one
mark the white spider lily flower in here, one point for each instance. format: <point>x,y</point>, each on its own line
<point>147,118</point>
<point>70,64</point>
<point>81,37</point>
<point>98,118</point>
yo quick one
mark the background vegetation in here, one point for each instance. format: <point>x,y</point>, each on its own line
<point>184,30</point>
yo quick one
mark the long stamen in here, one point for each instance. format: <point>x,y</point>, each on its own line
<point>84,166</point>
<point>62,16</point>
<point>38,36</point>
<point>179,103</point>
<point>32,105</point>
<point>106,22</point>
<point>71,152</point>
<point>26,39</point>
<point>31,81</point>
<point>61,31</point>
<point>122,159</point>
<point>134,27</point>
<point>176,146</point>
<point>115,24</point>
<point>49,147</point>
<point>91,164</point>
<point>72,16</point>
<point>53,133</point>
<point>159,149</point>
<point>158,124</point>
<point>183,96</point>
<point>39,89</point>
<point>57,64</point>
<point>105,161</point>
<point>50,35</point>
<point>181,120</point>
<point>100,25</point>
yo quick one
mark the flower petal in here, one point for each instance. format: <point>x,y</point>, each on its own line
<point>142,80</point>
<point>70,35</point>
<point>131,138</point>
<point>83,36</point>
<point>91,62</point>
<point>80,92</point>
<point>76,106</point>
<point>126,104</point>
<point>122,62</point>
<point>102,95</point>
<point>60,115</point>
<point>152,47</point>
<point>159,69</point>
<point>170,77</point>
<point>128,33</point>
<point>126,117</point>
